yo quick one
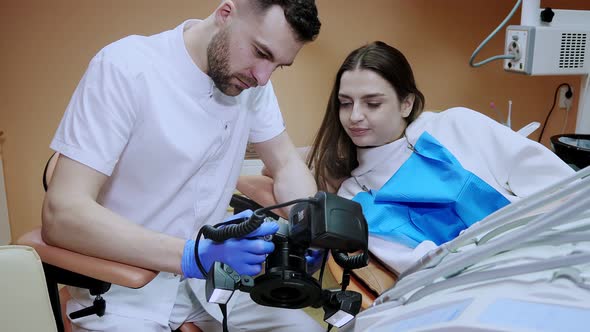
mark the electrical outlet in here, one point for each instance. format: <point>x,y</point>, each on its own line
<point>517,45</point>
<point>563,101</point>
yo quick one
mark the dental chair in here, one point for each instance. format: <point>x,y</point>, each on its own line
<point>369,281</point>
<point>65,267</point>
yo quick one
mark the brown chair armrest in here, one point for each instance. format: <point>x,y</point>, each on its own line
<point>97,268</point>
<point>259,188</point>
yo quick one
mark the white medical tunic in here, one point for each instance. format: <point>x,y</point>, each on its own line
<point>512,164</point>
<point>170,142</point>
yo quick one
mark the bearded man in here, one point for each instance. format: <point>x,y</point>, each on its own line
<point>151,146</point>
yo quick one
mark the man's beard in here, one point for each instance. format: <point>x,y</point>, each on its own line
<point>218,62</point>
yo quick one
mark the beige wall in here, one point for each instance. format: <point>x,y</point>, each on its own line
<point>46,45</point>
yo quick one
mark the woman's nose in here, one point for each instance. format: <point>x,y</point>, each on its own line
<point>356,115</point>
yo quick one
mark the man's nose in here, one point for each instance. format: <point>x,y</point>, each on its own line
<point>262,73</point>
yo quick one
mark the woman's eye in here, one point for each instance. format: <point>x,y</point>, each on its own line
<point>345,104</point>
<point>374,105</point>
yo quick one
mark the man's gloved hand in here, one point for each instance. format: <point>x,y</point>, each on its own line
<point>244,255</point>
<point>314,259</point>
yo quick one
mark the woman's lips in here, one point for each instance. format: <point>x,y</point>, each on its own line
<point>358,131</point>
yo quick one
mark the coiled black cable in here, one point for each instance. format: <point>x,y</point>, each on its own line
<point>233,229</point>
<point>238,228</point>
<point>351,262</point>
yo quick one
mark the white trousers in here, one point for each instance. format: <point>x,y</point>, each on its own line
<point>246,315</point>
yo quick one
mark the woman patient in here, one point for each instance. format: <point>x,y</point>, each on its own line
<point>421,177</point>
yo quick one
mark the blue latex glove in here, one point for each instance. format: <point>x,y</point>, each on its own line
<point>314,259</point>
<point>245,255</point>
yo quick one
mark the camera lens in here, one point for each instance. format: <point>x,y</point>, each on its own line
<point>285,293</point>
<point>281,290</point>
<point>285,282</point>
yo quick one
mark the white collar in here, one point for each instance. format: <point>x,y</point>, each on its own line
<point>368,158</point>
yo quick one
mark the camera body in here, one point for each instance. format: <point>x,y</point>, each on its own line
<point>331,222</point>
<point>325,221</point>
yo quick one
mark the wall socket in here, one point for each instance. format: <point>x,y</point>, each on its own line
<point>517,45</point>
<point>563,101</point>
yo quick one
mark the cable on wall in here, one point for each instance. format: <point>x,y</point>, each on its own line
<point>568,95</point>
<point>496,57</point>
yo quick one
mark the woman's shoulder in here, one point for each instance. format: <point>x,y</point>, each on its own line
<point>430,117</point>
<point>461,114</point>
<point>452,123</point>
<point>459,118</point>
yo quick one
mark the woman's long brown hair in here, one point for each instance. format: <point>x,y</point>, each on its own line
<point>333,154</point>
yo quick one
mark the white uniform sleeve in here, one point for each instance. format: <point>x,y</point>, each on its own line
<point>520,165</point>
<point>266,121</point>
<point>99,118</point>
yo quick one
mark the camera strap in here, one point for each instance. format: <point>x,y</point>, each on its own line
<point>223,308</point>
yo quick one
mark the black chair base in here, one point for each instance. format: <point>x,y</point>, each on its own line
<point>55,275</point>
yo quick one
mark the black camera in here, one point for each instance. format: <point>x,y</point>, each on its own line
<point>328,222</point>
<point>325,221</point>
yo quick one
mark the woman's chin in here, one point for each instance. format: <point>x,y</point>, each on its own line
<point>364,144</point>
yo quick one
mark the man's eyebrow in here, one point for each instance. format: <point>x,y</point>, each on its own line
<point>265,50</point>
<point>269,53</point>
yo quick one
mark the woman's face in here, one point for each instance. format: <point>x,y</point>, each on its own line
<point>370,111</point>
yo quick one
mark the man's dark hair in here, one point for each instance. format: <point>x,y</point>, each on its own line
<point>302,16</point>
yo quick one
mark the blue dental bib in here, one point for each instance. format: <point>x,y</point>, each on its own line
<point>431,197</point>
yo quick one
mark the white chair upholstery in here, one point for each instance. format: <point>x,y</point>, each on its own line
<point>24,301</point>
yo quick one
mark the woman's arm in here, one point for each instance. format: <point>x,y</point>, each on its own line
<point>520,165</point>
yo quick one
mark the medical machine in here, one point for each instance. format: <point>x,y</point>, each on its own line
<point>549,42</point>
<point>552,42</point>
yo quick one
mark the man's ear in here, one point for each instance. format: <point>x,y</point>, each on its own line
<point>224,13</point>
<point>407,105</point>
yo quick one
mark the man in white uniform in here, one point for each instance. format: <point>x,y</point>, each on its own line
<point>151,148</point>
